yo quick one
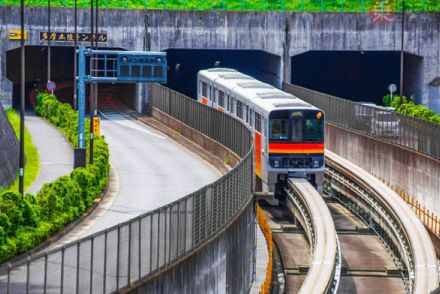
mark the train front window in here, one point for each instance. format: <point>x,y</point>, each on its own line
<point>297,130</point>
<point>313,131</point>
<point>279,129</point>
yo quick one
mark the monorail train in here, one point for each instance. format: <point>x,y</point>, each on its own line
<point>288,132</point>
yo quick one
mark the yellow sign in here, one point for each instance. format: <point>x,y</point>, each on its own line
<point>96,126</point>
<point>16,35</point>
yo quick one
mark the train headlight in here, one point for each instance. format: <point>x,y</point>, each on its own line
<point>316,163</point>
<point>276,163</point>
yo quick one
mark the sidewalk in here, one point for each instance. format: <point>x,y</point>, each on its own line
<point>54,151</point>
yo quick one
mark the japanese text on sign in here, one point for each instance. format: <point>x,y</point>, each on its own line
<point>70,37</point>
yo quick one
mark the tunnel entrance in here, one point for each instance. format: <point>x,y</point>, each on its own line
<point>183,65</point>
<point>357,75</point>
<point>36,71</point>
<point>62,71</point>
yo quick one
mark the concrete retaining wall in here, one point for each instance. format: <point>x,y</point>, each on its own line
<point>279,33</point>
<point>416,174</point>
<point>222,266</point>
<point>9,151</point>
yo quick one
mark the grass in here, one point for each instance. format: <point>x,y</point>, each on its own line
<point>252,5</point>
<point>32,163</point>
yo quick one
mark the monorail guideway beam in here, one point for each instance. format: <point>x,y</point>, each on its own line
<point>113,67</point>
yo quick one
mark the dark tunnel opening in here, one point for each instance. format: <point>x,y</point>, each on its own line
<point>62,72</point>
<point>357,75</point>
<point>183,65</point>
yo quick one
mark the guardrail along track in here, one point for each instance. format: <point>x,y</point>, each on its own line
<point>391,219</point>
<point>323,269</point>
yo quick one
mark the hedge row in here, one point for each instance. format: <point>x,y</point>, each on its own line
<point>27,221</point>
<point>408,107</point>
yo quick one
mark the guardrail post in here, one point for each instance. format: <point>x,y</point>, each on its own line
<point>104,278</point>
<point>184,225</point>
<point>140,249</point>
<point>45,274</point>
<point>151,243</point>
<point>62,270</point>
<point>178,229</point>
<point>91,262</point>
<point>129,255</point>
<point>8,289</point>
<point>158,240</point>
<point>78,244</point>
<point>28,274</point>
<point>169,234</point>
<point>117,258</point>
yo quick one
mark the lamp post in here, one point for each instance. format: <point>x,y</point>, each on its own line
<point>91,101</point>
<point>48,41</point>
<point>22,101</point>
<point>401,52</point>
<point>75,59</point>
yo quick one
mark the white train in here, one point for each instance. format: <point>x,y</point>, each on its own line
<point>288,132</point>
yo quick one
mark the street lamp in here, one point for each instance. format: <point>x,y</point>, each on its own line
<point>75,60</point>
<point>22,78</point>
<point>401,52</point>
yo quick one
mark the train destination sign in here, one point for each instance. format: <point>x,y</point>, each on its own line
<point>70,37</point>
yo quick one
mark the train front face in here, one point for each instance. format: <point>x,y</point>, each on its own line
<point>296,146</point>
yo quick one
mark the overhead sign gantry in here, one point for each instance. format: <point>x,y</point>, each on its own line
<point>108,66</point>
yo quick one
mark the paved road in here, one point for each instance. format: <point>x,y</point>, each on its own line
<point>54,151</point>
<point>153,169</point>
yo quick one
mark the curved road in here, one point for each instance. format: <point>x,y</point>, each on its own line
<point>153,169</point>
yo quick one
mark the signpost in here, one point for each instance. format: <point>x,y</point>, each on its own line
<point>51,86</point>
<point>115,67</point>
<point>392,88</point>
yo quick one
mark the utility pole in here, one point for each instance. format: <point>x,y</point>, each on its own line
<point>75,60</point>
<point>48,41</point>
<point>96,60</point>
<point>91,102</point>
<point>22,101</point>
<point>401,53</point>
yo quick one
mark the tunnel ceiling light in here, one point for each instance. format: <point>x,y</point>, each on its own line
<point>217,63</point>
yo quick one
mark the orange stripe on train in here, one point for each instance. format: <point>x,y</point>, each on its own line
<point>296,148</point>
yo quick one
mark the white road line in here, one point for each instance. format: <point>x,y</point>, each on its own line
<point>116,117</point>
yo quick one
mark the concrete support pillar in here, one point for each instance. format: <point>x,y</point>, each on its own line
<point>286,60</point>
<point>141,97</point>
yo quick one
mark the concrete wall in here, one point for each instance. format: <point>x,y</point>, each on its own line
<point>281,34</point>
<point>414,173</point>
<point>9,151</point>
<point>223,266</point>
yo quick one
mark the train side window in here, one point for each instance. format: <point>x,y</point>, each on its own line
<point>228,103</point>
<point>214,99</point>
<point>204,89</point>
<point>251,115</point>
<point>221,98</point>
<point>239,109</point>
<point>232,105</point>
<point>247,113</point>
<point>258,122</point>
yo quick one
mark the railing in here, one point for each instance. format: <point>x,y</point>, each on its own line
<point>154,242</point>
<point>370,6</point>
<point>409,132</point>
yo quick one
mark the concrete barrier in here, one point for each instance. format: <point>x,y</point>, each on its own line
<point>9,151</point>
<point>405,170</point>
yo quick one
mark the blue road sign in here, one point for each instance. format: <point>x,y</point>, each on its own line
<point>51,86</point>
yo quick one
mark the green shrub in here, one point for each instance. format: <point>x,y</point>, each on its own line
<point>27,221</point>
<point>408,107</point>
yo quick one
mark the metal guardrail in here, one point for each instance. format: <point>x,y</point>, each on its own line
<point>154,242</point>
<point>412,133</point>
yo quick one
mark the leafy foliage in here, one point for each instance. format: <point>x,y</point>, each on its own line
<point>408,107</point>
<point>27,221</point>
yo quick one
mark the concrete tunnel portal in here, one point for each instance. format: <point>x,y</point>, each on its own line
<point>183,65</point>
<point>357,75</point>
<point>62,72</point>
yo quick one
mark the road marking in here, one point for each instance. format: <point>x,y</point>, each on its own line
<point>126,122</point>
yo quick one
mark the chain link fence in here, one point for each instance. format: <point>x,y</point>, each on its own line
<point>385,125</point>
<point>152,243</point>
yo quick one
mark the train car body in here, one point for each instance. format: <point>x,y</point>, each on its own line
<point>288,132</point>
